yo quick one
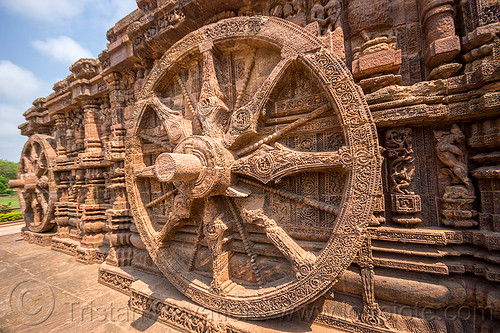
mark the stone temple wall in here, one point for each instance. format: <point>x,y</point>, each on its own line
<point>333,163</point>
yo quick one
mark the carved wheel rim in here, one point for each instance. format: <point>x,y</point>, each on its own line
<point>250,167</point>
<point>37,198</point>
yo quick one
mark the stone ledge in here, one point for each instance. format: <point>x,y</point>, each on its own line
<point>43,239</point>
<point>155,297</point>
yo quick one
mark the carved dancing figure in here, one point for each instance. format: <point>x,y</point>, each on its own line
<point>402,180</point>
<point>452,156</point>
<point>400,148</point>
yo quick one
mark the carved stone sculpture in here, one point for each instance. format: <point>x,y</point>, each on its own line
<point>457,198</point>
<point>327,16</point>
<point>223,166</point>
<point>401,159</point>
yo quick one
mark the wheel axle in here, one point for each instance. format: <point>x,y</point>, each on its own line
<point>172,167</point>
<point>28,183</point>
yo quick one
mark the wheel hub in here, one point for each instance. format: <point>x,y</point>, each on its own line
<point>199,167</point>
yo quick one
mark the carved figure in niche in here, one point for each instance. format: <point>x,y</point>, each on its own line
<point>402,180</point>
<point>333,9</point>
<point>458,198</point>
<point>325,22</point>
<point>400,149</point>
<point>318,13</point>
<point>288,9</point>
<point>277,10</point>
<point>449,153</point>
<point>401,162</point>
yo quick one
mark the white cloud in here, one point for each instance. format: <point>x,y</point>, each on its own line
<point>18,88</point>
<point>62,48</point>
<point>10,117</point>
<point>17,83</point>
<point>11,140</point>
<point>46,10</point>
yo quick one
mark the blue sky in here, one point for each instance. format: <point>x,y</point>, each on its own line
<point>39,40</point>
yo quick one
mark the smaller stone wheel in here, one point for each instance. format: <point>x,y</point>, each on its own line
<point>38,191</point>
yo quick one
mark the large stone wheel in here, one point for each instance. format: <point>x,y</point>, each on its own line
<point>38,190</point>
<point>252,166</point>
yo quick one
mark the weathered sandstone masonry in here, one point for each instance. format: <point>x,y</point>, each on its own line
<point>333,162</point>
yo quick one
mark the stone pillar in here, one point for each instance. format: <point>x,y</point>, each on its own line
<point>60,135</point>
<point>93,224</point>
<point>371,314</point>
<point>79,135</point>
<point>485,139</point>
<point>92,141</point>
<point>118,216</point>
<point>442,44</point>
<point>375,60</point>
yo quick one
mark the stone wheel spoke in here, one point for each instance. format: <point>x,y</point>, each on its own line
<point>265,89</point>
<point>244,120</point>
<point>40,166</point>
<point>35,152</point>
<point>247,73</point>
<point>247,243</point>
<point>295,197</point>
<point>166,231</point>
<point>26,164</point>
<point>280,133</point>
<point>145,172</point>
<point>271,163</point>
<point>161,198</point>
<point>176,126</point>
<point>210,107</point>
<point>301,260</point>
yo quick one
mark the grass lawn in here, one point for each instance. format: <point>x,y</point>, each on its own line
<point>12,199</point>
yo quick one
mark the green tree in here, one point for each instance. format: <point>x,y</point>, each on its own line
<point>3,185</point>
<point>8,169</point>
